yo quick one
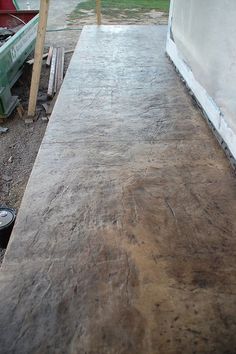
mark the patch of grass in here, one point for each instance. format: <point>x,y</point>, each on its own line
<point>111,7</point>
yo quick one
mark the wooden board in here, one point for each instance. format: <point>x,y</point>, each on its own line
<point>39,48</point>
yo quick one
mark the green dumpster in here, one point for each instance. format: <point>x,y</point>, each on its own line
<point>14,52</point>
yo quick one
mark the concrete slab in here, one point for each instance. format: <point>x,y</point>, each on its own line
<point>124,242</point>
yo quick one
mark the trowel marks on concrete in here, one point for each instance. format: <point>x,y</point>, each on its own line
<point>124,241</point>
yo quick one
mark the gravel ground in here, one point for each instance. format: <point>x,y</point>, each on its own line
<point>20,145</point>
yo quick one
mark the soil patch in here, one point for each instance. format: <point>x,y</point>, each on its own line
<point>20,144</point>
<point>117,16</point>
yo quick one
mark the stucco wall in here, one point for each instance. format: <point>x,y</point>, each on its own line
<point>204,33</point>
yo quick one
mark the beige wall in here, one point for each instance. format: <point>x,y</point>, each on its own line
<point>204,32</point>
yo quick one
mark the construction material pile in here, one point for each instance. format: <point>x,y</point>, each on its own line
<point>56,58</point>
<point>7,33</point>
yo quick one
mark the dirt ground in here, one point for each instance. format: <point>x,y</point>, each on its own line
<point>128,17</point>
<point>20,144</point>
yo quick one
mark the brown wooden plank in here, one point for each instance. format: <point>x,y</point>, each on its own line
<point>49,58</point>
<point>39,48</point>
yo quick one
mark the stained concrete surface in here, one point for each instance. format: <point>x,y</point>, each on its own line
<point>125,239</point>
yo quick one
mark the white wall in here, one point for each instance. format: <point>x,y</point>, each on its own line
<point>202,44</point>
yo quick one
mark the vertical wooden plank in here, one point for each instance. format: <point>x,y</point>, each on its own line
<point>39,48</point>
<point>98,12</point>
<point>49,59</point>
<point>52,73</point>
<point>56,70</point>
<point>61,71</point>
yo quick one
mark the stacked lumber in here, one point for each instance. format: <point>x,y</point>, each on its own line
<point>56,58</point>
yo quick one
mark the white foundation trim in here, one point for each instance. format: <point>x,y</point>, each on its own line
<point>211,109</point>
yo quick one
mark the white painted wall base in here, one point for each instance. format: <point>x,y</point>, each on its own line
<point>212,111</point>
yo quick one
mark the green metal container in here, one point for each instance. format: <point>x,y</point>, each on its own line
<point>16,4</point>
<point>12,57</point>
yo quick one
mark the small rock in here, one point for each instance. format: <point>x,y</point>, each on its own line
<point>29,121</point>
<point>3,130</point>
<point>5,188</point>
<point>10,159</point>
<point>6,178</point>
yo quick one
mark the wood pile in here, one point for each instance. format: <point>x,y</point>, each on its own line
<point>56,58</point>
<point>8,33</point>
<point>55,61</point>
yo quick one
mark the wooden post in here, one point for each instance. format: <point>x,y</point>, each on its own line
<point>38,55</point>
<point>98,12</point>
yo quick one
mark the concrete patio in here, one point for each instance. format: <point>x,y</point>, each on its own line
<point>125,239</point>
